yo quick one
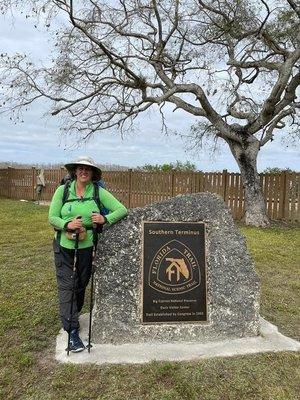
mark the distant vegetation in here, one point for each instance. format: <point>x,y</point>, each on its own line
<point>177,166</point>
<point>275,170</point>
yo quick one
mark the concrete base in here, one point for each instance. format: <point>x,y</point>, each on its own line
<point>270,340</point>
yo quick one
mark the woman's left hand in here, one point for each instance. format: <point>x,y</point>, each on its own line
<point>98,219</point>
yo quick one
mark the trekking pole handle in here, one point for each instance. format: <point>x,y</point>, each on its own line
<point>94,223</point>
<point>77,230</point>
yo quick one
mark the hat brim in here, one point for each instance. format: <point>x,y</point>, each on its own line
<point>72,166</point>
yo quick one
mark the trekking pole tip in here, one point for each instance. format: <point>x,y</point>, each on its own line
<point>88,346</point>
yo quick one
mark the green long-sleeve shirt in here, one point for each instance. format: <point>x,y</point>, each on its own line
<point>60,215</point>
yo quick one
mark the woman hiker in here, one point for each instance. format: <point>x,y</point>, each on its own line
<point>72,214</point>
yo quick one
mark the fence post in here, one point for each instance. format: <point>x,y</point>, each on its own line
<point>282,204</point>
<point>62,173</point>
<point>200,181</point>
<point>129,188</point>
<point>9,181</point>
<point>172,183</point>
<point>33,177</point>
<point>224,181</point>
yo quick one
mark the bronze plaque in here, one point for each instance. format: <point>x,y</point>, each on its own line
<point>174,272</point>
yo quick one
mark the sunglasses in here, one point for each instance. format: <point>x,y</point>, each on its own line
<point>84,168</point>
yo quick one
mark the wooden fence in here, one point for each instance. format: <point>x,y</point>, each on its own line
<point>136,188</point>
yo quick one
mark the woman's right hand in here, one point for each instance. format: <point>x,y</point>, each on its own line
<point>76,223</point>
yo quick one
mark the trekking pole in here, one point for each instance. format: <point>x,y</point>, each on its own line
<point>95,242</point>
<point>73,285</point>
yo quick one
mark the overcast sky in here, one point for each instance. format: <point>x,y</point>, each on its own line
<point>38,140</point>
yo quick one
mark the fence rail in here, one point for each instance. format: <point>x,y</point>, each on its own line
<point>137,188</point>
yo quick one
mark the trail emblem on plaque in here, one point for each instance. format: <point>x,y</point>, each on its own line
<point>174,269</point>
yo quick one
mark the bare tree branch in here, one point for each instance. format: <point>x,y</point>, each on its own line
<point>117,57</point>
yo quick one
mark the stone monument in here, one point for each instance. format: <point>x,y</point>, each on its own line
<point>175,271</point>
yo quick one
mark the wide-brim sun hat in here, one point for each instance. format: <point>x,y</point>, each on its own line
<point>84,160</point>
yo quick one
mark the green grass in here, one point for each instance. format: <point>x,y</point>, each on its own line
<point>276,252</point>
<point>29,324</point>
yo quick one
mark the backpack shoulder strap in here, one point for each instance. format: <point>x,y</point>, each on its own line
<point>66,191</point>
<point>96,196</point>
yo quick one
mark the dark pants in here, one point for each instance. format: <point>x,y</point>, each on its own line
<point>64,260</point>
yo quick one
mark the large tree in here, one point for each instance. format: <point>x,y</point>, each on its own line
<point>234,64</point>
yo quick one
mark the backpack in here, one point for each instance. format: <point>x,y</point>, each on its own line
<point>66,181</point>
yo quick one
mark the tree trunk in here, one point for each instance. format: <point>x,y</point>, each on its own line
<point>255,206</point>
